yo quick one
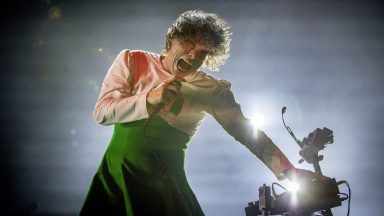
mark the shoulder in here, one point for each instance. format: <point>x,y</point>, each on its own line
<point>211,90</point>
<point>126,55</point>
<point>204,79</point>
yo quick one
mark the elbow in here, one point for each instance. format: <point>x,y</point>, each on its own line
<point>99,117</point>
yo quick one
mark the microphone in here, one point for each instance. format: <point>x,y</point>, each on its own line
<point>176,107</point>
<point>157,109</point>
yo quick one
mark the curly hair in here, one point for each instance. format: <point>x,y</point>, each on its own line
<point>206,26</point>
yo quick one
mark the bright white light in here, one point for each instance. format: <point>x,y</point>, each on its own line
<point>293,187</point>
<point>258,120</point>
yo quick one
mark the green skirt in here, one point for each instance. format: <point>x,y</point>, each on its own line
<point>142,173</point>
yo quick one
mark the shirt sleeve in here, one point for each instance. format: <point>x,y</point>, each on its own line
<point>116,102</point>
<point>229,115</point>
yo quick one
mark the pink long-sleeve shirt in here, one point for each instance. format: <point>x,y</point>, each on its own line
<point>134,73</point>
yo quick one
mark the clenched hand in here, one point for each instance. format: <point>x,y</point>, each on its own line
<point>164,94</point>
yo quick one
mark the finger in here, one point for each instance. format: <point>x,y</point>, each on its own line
<point>176,83</point>
<point>172,94</point>
<point>168,106</point>
<point>319,176</point>
<point>173,87</point>
<point>169,96</point>
<point>174,78</point>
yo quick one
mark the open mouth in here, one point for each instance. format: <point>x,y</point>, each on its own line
<point>183,65</point>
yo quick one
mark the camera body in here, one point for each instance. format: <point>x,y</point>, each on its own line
<point>315,195</point>
<point>314,142</point>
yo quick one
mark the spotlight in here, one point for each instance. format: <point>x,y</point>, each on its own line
<point>293,187</point>
<point>258,120</point>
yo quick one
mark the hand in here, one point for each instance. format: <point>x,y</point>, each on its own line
<point>300,175</point>
<point>164,94</point>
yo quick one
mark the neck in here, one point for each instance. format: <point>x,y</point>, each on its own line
<point>164,63</point>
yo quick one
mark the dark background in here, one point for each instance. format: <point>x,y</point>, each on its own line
<point>321,59</point>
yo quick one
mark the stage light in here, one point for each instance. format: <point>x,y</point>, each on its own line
<point>293,187</point>
<point>54,13</point>
<point>258,120</point>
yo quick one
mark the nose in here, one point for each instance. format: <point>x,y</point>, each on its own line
<point>192,53</point>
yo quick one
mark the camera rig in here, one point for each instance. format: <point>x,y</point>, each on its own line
<point>316,197</point>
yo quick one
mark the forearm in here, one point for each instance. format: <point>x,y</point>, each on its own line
<point>255,140</point>
<point>120,109</point>
<point>228,113</point>
<point>263,147</point>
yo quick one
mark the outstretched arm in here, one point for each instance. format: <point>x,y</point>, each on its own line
<point>233,121</point>
<point>228,113</point>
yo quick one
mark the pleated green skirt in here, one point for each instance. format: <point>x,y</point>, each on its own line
<point>142,173</point>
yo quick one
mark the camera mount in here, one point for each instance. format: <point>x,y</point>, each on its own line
<point>317,195</point>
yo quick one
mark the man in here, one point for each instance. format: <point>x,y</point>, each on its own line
<point>156,103</point>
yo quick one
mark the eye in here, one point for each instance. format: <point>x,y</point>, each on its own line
<point>202,55</point>
<point>188,44</point>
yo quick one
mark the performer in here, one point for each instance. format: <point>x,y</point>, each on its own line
<point>156,103</point>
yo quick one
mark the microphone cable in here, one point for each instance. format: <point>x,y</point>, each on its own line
<point>160,162</point>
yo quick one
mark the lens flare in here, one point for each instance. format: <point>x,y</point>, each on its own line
<point>258,120</point>
<point>293,187</point>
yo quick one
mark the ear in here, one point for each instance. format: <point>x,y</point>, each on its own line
<point>163,53</point>
<point>168,44</point>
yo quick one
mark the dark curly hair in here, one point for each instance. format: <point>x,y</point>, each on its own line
<point>206,26</point>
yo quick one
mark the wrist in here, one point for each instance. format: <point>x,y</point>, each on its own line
<point>290,172</point>
<point>150,107</point>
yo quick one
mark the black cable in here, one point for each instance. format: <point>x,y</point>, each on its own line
<point>289,129</point>
<point>349,194</point>
<point>345,196</point>
<point>273,188</point>
<point>161,164</point>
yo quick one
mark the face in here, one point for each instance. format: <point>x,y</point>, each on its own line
<point>185,56</point>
